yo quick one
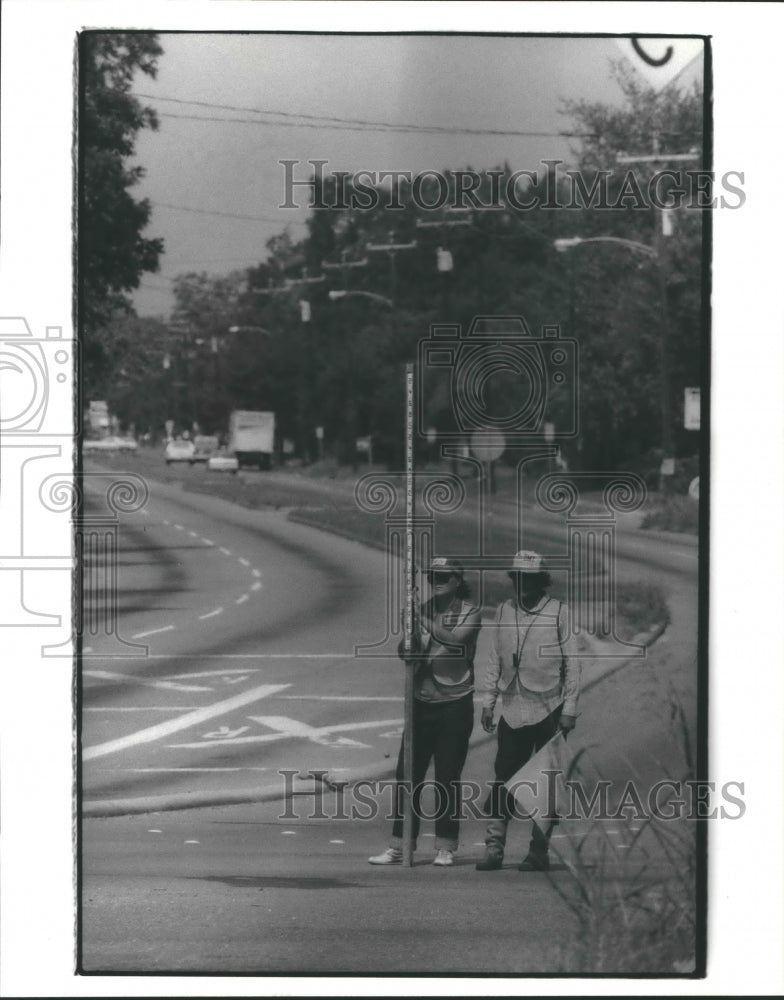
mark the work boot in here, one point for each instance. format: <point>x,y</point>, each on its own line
<point>491,861</point>
<point>534,862</point>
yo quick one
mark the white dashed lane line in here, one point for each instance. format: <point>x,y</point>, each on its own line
<point>154,631</point>
<point>211,614</point>
<point>256,573</point>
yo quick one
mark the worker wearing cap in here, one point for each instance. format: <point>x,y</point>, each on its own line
<point>538,680</point>
<point>445,632</point>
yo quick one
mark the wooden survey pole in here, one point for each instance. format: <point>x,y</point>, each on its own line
<point>408,626</point>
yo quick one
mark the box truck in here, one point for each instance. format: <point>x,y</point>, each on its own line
<point>252,437</point>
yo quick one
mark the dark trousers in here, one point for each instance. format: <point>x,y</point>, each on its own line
<point>441,733</point>
<point>515,748</point>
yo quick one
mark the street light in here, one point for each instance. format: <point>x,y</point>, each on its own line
<point>249,329</point>
<point>337,294</point>
<point>567,243</point>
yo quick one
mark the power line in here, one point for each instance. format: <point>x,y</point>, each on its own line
<point>344,124</point>
<point>225,215</point>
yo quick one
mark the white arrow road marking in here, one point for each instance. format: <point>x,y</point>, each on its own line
<point>106,675</point>
<point>291,728</point>
<point>165,729</point>
<point>224,733</point>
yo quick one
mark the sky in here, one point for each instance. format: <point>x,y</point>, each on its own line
<point>196,170</point>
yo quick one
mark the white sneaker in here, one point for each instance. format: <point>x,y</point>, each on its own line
<point>391,856</point>
<point>444,858</point>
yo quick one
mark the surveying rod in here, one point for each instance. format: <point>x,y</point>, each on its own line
<point>408,627</point>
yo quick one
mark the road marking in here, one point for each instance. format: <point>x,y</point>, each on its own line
<point>164,729</point>
<point>106,675</point>
<point>337,842</point>
<point>154,631</point>
<point>211,614</point>
<point>243,671</point>
<point>245,656</point>
<point>241,600</point>
<point>255,572</point>
<point>288,833</point>
<point>256,586</point>
<point>143,708</point>
<point>226,552</point>
<point>167,522</point>
<point>193,534</point>
<point>291,729</point>
<point>191,841</point>
<point>155,831</point>
<point>179,527</point>
<point>334,697</point>
<point>244,562</point>
<point>208,541</point>
<point>175,770</point>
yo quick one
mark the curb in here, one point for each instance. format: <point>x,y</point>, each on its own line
<point>107,808</point>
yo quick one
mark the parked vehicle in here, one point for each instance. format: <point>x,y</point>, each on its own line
<point>204,446</point>
<point>110,443</point>
<point>222,461</point>
<point>179,450</point>
<point>252,437</point>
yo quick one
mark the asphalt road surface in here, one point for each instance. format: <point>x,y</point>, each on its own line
<point>232,658</point>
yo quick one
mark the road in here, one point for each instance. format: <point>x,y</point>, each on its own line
<point>250,624</point>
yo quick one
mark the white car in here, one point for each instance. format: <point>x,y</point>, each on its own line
<point>111,443</point>
<point>223,462</point>
<point>179,451</point>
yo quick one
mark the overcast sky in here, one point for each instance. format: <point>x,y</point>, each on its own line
<point>197,168</point>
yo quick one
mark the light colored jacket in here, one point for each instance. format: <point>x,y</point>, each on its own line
<point>531,648</point>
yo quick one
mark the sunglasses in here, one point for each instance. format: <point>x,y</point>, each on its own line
<point>439,577</point>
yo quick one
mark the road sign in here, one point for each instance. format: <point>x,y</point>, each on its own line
<point>488,445</point>
<point>691,409</point>
<point>319,433</point>
<point>363,444</point>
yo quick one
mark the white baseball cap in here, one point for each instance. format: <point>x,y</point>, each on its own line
<point>526,561</point>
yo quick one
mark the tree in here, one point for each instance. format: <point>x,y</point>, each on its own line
<point>113,253</point>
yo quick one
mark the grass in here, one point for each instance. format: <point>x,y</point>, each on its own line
<point>672,513</point>
<point>634,895</point>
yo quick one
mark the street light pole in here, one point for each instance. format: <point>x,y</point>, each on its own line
<point>655,252</point>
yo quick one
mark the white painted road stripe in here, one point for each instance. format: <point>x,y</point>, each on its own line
<point>226,552</point>
<point>244,562</point>
<point>208,541</point>
<point>211,614</point>
<point>106,675</point>
<point>287,729</point>
<point>246,671</point>
<point>154,631</point>
<point>333,697</point>
<point>142,708</point>
<point>256,586</point>
<point>256,572</point>
<point>165,729</point>
<point>241,600</point>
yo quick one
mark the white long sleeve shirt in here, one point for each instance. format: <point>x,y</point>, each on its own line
<point>533,663</point>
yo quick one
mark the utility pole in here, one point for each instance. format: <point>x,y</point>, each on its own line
<point>661,230</point>
<point>391,249</point>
